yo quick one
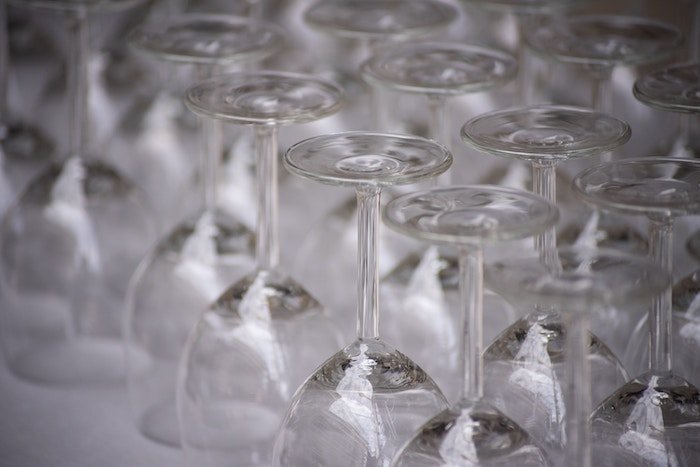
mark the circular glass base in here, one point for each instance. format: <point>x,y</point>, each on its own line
<point>83,361</point>
<point>675,89</point>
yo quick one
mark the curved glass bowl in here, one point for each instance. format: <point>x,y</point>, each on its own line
<point>602,40</point>
<point>675,89</point>
<point>66,261</point>
<point>186,271</point>
<point>436,68</point>
<point>382,19</point>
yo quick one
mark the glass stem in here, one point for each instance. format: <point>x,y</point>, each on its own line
<point>78,80</point>
<point>661,246</point>
<point>380,106</point>
<point>267,241</point>
<point>523,81</point>
<point>368,198</point>
<point>695,33</point>
<point>578,390</point>
<point>4,64</point>
<point>212,148</point>
<point>544,184</point>
<point>471,283</point>
<point>439,130</point>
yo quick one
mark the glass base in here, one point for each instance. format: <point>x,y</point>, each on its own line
<point>652,420</point>
<point>471,433</point>
<point>362,403</point>
<point>82,361</point>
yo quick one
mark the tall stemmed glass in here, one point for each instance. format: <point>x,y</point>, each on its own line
<point>364,401</point>
<point>599,43</point>
<point>655,418</point>
<point>472,432</point>
<point>361,25</point>
<point>23,145</point>
<point>589,281</point>
<point>522,11</point>
<point>524,368</point>
<point>673,89</point>
<point>67,250</point>
<point>420,292</point>
<point>198,259</point>
<point>265,333</point>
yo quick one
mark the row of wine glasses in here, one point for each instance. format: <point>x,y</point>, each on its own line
<point>224,353</point>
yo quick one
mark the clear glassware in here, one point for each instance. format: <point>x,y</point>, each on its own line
<point>364,401</point>
<point>193,265</point>
<point>472,432</point>
<point>67,252</point>
<point>361,27</point>
<point>524,365</point>
<point>654,418</point>
<point>25,149</point>
<point>589,281</point>
<point>419,294</point>
<point>264,334</point>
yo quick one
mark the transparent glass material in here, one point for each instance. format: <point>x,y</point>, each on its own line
<point>195,263</point>
<point>524,6</point>
<point>589,281</point>
<point>371,19</point>
<point>471,432</point>
<point>68,254</point>
<point>258,341</point>
<point>674,89</point>
<point>525,365</point>
<point>364,401</point>
<point>655,418</point>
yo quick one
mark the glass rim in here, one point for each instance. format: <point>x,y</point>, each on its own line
<point>74,5</point>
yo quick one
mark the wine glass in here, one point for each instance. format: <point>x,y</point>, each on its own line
<point>67,250</point>
<point>365,400</point>
<point>523,365</point>
<point>599,43</point>
<point>24,148</point>
<point>589,281</point>
<point>472,432</point>
<point>654,418</point>
<point>421,291</point>
<point>192,266</point>
<point>265,333</point>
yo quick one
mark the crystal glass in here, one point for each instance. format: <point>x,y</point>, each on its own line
<point>24,148</point>
<point>192,266</point>
<point>588,281</point>
<point>654,418</point>
<point>524,368</point>
<point>258,341</point>
<point>421,291</point>
<point>364,401</point>
<point>472,431</point>
<point>67,252</point>
<point>600,42</point>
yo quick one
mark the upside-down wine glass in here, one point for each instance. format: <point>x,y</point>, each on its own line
<point>192,266</point>
<point>364,401</point>
<point>653,419</point>
<point>420,292</point>
<point>258,341</point>
<point>522,10</point>
<point>589,281</point>
<point>524,368</point>
<point>362,25</point>
<point>24,148</point>
<point>68,251</point>
<point>472,431</point>
<point>673,89</point>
